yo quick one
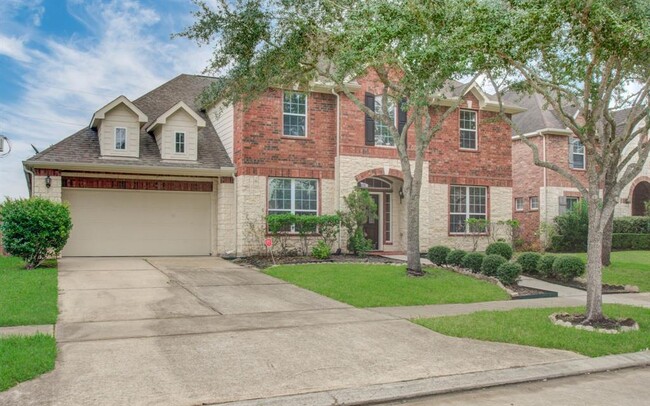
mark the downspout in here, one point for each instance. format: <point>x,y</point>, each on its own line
<point>338,156</point>
<point>545,179</point>
<point>31,182</point>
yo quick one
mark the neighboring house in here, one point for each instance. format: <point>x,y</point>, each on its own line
<point>160,176</point>
<point>541,194</point>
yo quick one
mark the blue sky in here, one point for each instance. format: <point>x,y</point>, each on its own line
<point>61,60</point>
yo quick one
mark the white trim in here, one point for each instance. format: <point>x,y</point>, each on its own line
<point>133,169</point>
<point>380,219</point>
<point>200,122</point>
<point>544,131</point>
<point>306,115</point>
<point>390,218</point>
<point>467,212</point>
<point>101,113</point>
<point>530,203</point>
<point>126,137</point>
<point>461,129</point>
<point>291,210</point>
<point>573,155</point>
<point>517,207</point>
<point>176,143</point>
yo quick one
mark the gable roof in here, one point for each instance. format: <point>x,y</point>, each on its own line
<point>453,89</point>
<point>200,122</point>
<point>82,147</point>
<point>101,113</point>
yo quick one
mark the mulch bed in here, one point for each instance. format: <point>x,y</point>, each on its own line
<point>262,262</point>
<point>609,324</point>
<point>607,289</point>
<point>524,292</point>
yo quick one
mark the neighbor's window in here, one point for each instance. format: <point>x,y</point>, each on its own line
<point>298,196</point>
<point>571,202</point>
<point>576,154</point>
<point>120,138</point>
<point>534,202</point>
<point>519,204</point>
<point>468,129</point>
<point>466,202</point>
<point>382,133</point>
<point>295,114</point>
<point>180,143</point>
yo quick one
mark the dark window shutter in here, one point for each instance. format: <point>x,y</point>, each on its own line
<point>570,152</point>
<point>370,123</point>
<point>401,118</point>
<point>562,204</point>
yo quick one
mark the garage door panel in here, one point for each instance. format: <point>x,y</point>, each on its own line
<point>133,223</point>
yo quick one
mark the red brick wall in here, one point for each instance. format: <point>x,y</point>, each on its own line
<point>557,151</point>
<point>136,184</point>
<point>527,178</point>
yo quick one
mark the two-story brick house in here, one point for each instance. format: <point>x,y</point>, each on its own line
<point>541,194</point>
<point>160,176</point>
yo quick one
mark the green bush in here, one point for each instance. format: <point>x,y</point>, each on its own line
<point>34,229</point>
<point>631,241</point>
<point>321,250</point>
<point>455,257</point>
<point>499,248</point>
<point>360,207</point>
<point>568,267</point>
<point>545,265</point>
<point>473,261</point>
<point>572,228</point>
<point>358,244</point>
<point>632,225</point>
<point>528,262</point>
<point>508,273</point>
<point>491,263</point>
<point>438,254</point>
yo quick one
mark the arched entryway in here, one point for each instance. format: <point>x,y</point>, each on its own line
<point>640,196</point>
<point>386,193</point>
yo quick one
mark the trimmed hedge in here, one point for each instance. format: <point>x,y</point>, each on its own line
<point>455,257</point>
<point>545,265</point>
<point>499,248</point>
<point>491,263</point>
<point>631,241</point>
<point>473,261</point>
<point>632,225</point>
<point>438,254</point>
<point>508,273</point>
<point>568,267</point>
<point>528,261</point>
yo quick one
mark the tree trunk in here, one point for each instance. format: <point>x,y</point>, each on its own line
<point>594,262</point>
<point>607,241</point>
<point>414,263</point>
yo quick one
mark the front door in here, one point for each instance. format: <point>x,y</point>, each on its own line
<point>371,228</point>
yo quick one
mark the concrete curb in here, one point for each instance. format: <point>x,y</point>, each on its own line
<point>396,391</point>
<point>27,330</point>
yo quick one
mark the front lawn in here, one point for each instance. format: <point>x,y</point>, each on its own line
<point>25,357</point>
<point>627,268</point>
<point>367,285</point>
<point>27,297</point>
<point>533,327</point>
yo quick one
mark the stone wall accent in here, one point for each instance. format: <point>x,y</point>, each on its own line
<point>52,193</point>
<point>226,215</point>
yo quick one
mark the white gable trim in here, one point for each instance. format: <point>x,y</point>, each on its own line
<point>200,122</point>
<point>101,113</point>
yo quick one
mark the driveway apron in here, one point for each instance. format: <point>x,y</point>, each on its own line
<point>194,330</point>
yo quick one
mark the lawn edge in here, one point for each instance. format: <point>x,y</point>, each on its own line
<point>396,391</point>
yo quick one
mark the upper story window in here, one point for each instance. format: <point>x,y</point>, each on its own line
<point>576,154</point>
<point>533,203</point>
<point>519,204</point>
<point>294,116</point>
<point>466,202</point>
<point>382,132</point>
<point>120,138</point>
<point>297,196</point>
<point>468,129</point>
<point>180,143</point>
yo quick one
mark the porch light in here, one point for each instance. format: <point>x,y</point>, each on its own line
<point>401,194</point>
<point>48,181</point>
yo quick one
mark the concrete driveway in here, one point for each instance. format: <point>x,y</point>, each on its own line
<point>188,331</point>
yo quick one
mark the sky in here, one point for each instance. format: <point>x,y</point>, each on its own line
<point>62,60</point>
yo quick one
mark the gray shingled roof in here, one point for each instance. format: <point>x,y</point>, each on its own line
<point>83,146</point>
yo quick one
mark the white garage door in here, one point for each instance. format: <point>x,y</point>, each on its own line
<point>134,223</point>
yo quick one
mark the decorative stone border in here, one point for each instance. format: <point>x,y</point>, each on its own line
<point>557,321</point>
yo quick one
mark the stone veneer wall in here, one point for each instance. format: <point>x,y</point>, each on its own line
<point>52,193</point>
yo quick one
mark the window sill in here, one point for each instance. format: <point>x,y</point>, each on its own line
<point>578,169</point>
<point>468,235</point>
<point>295,137</point>
<point>533,210</point>
<point>475,150</point>
<point>519,210</point>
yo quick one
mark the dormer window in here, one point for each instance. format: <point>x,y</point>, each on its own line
<point>180,143</point>
<point>120,138</point>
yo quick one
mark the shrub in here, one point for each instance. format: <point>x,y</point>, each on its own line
<point>528,262</point>
<point>359,209</point>
<point>572,228</point>
<point>545,265</point>
<point>631,241</point>
<point>455,257</point>
<point>491,263</point>
<point>632,225</point>
<point>358,244</point>
<point>34,229</point>
<point>568,267</point>
<point>438,254</point>
<point>473,261</point>
<point>499,248</point>
<point>508,272</point>
<point>321,250</point>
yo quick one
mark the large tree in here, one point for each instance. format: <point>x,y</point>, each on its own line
<point>588,59</point>
<point>411,47</point>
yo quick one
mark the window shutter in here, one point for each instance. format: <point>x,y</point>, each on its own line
<point>562,203</point>
<point>570,152</point>
<point>401,118</point>
<point>370,123</point>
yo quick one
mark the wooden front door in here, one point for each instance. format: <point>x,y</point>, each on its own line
<point>371,228</point>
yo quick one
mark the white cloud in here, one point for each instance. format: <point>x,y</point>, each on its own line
<point>128,53</point>
<point>14,48</point>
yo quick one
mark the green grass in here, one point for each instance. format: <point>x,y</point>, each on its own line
<point>627,268</point>
<point>24,358</point>
<point>27,296</point>
<point>363,285</point>
<point>532,327</point>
